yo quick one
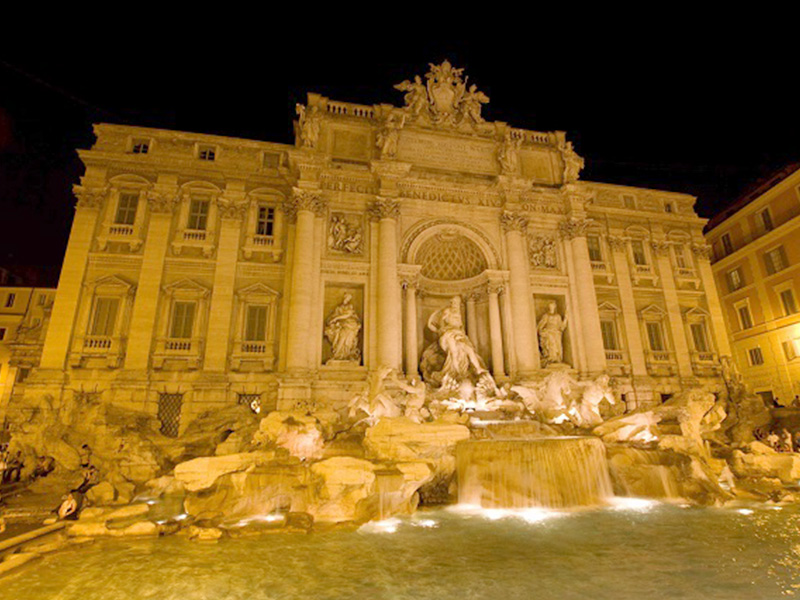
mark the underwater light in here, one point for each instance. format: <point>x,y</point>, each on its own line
<point>385,526</point>
<point>428,523</point>
<point>745,511</point>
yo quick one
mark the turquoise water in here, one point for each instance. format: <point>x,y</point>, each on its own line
<point>644,552</point>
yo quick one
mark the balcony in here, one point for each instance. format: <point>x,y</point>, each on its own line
<point>98,351</point>
<point>643,273</point>
<point>183,353</point>
<point>617,362</point>
<point>253,356</point>
<point>194,238</point>
<point>660,363</point>
<point>263,244</point>
<point>121,234</point>
<point>602,268</point>
<point>705,364</point>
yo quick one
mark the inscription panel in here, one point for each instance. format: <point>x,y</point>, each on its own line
<point>452,154</point>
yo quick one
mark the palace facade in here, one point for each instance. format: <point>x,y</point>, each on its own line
<point>202,271</point>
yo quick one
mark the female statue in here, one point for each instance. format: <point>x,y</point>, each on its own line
<point>341,330</point>
<point>551,331</point>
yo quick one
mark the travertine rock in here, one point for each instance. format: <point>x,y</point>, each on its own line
<point>299,433</point>
<point>201,473</point>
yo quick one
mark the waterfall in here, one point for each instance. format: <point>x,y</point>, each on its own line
<point>553,472</point>
<point>646,473</point>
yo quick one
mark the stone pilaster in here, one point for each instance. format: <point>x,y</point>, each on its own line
<point>521,298</point>
<point>386,213</point>
<point>160,205</point>
<point>301,209</point>
<point>73,271</point>
<point>573,231</point>
<point>630,318</point>
<point>674,316</point>
<point>231,209</point>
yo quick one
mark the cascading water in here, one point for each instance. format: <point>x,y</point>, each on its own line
<point>551,472</point>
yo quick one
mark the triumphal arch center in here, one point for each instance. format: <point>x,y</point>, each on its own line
<point>417,241</point>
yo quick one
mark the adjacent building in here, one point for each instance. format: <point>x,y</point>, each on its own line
<point>756,255</point>
<point>203,270</point>
<point>24,316</point>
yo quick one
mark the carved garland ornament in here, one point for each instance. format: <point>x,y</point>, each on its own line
<point>229,209</point>
<point>701,250</point>
<point>617,243</point>
<point>660,248</point>
<point>161,203</point>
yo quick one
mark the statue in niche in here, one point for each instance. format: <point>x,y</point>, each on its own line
<point>389,135</point>
<point>344,236</point>
<point>342,329</point>
<point>551,332</point>
<point>508,154</point>
<point>309,121</point>
<point>461,361</point>
<point>543,252</point>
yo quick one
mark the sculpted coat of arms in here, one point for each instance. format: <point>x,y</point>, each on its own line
<point>444,98</point>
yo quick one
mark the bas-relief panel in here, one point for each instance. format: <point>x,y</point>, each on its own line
<point>537,165</point>
<point>350,144</point>
<point>448,153</point>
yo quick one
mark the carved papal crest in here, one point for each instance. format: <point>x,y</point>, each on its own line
<point>444,98</point>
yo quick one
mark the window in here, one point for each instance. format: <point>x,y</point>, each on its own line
<point>699,336</point>
<point>2,333</point>
<point>22,374</point>
<point>669,207</point>
<point>266,221</point>
<point>764,219</point>
<point>775,260</point>
<point>727,245</point>
<point>105,316</point>
<point>198,214</point>
<point>788,302</point>
<point>272,160</point>
<point>680,256</point>
<point>790,349</point>
<point>735,279</point>
<point>140,146</point>
<point>745,318</point>
<point>169,413</point>
<point>10,299</point>
<point>256,324</point>
<point>595,253</point>
<point>182,320</point>
<point>42,299</point>
<point>639,256</point>
<point>126,208</point>
<point>655,336</point>
<point>609,331</point>
<point>629,202</point>
<point>208,153</point>
<point>755,356</point>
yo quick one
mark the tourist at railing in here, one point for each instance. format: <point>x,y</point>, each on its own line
<point>12,473</point>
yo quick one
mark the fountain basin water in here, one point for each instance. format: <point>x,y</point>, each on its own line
<point>551,472</point>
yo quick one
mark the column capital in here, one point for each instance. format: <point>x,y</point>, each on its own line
<point>616,243</point>
<point>572,227</point>
<point>660,248</point>
<point>161,202</point>
<point>513,221</point>
<point>495,288</point>
<point>384,208</point>
<point>702,250</point>
<point>311,200</point>
<point>231,209</point>
<point>89,197</point>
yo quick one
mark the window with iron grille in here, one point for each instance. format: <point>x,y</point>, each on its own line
<point>252,401</point>
<point>169,413</point>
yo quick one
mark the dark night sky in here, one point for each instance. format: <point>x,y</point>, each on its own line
<point>690,105</point>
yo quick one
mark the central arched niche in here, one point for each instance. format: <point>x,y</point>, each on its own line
<point>453,259</point>
<point>450,256</point>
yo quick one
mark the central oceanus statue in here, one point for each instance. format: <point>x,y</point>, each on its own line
<point>453,359</point>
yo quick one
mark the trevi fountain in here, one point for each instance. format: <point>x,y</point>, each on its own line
<point>447,474</point>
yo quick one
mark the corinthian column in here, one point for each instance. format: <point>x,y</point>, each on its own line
<point>73,271</point>
<point>410,333</point>
<point>521,298</point>
<point>386,213</point>
<point>495,331</point>
<point>574,233</point>
<point>302,209</point>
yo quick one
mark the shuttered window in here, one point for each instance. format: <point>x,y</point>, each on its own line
<point>182,320</point>
<point>256,325</point>
<point>775,260</point>
<point>639,255</point>
<point>655,336</point>
<point>105,316</point>
<point>609,330</point>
